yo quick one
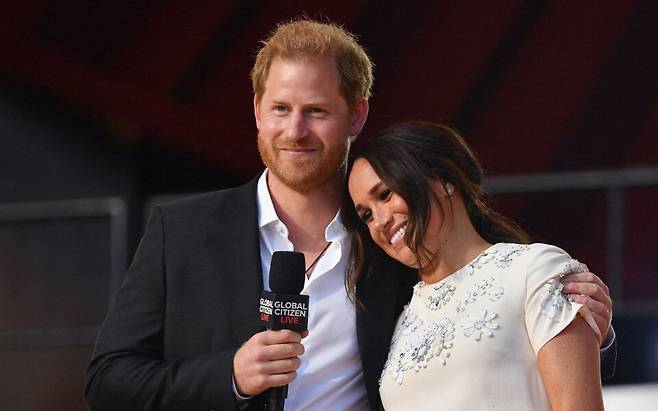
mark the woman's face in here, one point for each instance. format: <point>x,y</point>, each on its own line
<point>386,214</point>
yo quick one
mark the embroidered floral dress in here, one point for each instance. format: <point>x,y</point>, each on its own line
<point>470,341</point>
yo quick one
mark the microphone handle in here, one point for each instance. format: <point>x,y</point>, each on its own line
<point>276,398</point>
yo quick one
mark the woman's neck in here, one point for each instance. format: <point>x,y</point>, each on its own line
<point>460,246</point>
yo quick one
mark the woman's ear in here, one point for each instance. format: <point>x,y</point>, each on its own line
<point>449,189</point>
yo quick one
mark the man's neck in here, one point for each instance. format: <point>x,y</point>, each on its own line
<point>307,214</point>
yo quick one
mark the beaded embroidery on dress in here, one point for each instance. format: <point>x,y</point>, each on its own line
<point>477,324</point>
<point>435,338</point>
<point>481,327</point>
<point>554,300</point>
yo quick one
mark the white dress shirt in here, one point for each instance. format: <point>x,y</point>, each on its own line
<point>330,376</point>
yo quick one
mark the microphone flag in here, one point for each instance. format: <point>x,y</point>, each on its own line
<point>279,311</point>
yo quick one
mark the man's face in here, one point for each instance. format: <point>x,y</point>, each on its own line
<point>304,123</point>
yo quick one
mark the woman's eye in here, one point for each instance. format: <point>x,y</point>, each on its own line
<point>385,195</point>
<point>366,216</point>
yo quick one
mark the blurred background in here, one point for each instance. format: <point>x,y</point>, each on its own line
<point>109,107</point>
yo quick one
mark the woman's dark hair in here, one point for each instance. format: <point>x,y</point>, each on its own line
<point>408,157</point>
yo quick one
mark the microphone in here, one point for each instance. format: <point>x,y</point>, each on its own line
<point>284,308</point>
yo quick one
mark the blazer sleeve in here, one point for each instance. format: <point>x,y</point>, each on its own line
<point>609,359</point>
<point>128,370</point>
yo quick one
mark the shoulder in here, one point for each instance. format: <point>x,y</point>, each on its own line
<point>201,205</point>
<point>536,260</point>
<point>553,259</point>
<point>201,214</point>
<point>540,249</point>
<point>514,253</point>
<point>545,264</point>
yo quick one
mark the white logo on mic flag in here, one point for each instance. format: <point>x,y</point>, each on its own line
<point>280,311</point>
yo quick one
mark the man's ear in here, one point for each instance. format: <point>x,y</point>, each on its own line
<point>359,117</point>
<point>257,110</point>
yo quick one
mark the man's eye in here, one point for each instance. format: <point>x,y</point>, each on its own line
<point>316,110</point>
<point>280,108</point>
<point>366,216</point>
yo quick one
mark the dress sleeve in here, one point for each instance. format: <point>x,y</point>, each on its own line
<point>548,310</point>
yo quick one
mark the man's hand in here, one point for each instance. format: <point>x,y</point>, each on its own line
<point>588,289</point>
<point>268,359</point>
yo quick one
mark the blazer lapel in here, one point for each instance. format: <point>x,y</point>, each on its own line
<point>239,257</point>
<point>383,293</point>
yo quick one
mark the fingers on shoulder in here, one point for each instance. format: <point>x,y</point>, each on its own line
<point>586,278</point>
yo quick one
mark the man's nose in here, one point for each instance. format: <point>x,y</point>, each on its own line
<point>297,127</point>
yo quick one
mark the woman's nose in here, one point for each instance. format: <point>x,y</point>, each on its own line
<point>382,219</point>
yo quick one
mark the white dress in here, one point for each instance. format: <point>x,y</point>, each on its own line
<point>470,341</point>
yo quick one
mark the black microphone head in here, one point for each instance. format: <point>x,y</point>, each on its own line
<point>287,272</point>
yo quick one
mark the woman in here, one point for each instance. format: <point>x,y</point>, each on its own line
<point>487,326</point>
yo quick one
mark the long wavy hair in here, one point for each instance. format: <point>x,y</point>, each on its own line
<point>408,157</point>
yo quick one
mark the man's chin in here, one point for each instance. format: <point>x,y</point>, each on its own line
<point>307,175</point>
<point>301,185</point>
<point>306,182</point>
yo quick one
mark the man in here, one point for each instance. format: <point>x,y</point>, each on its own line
<point>183,333</point>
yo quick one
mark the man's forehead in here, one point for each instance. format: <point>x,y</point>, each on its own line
<point>308,76</point>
